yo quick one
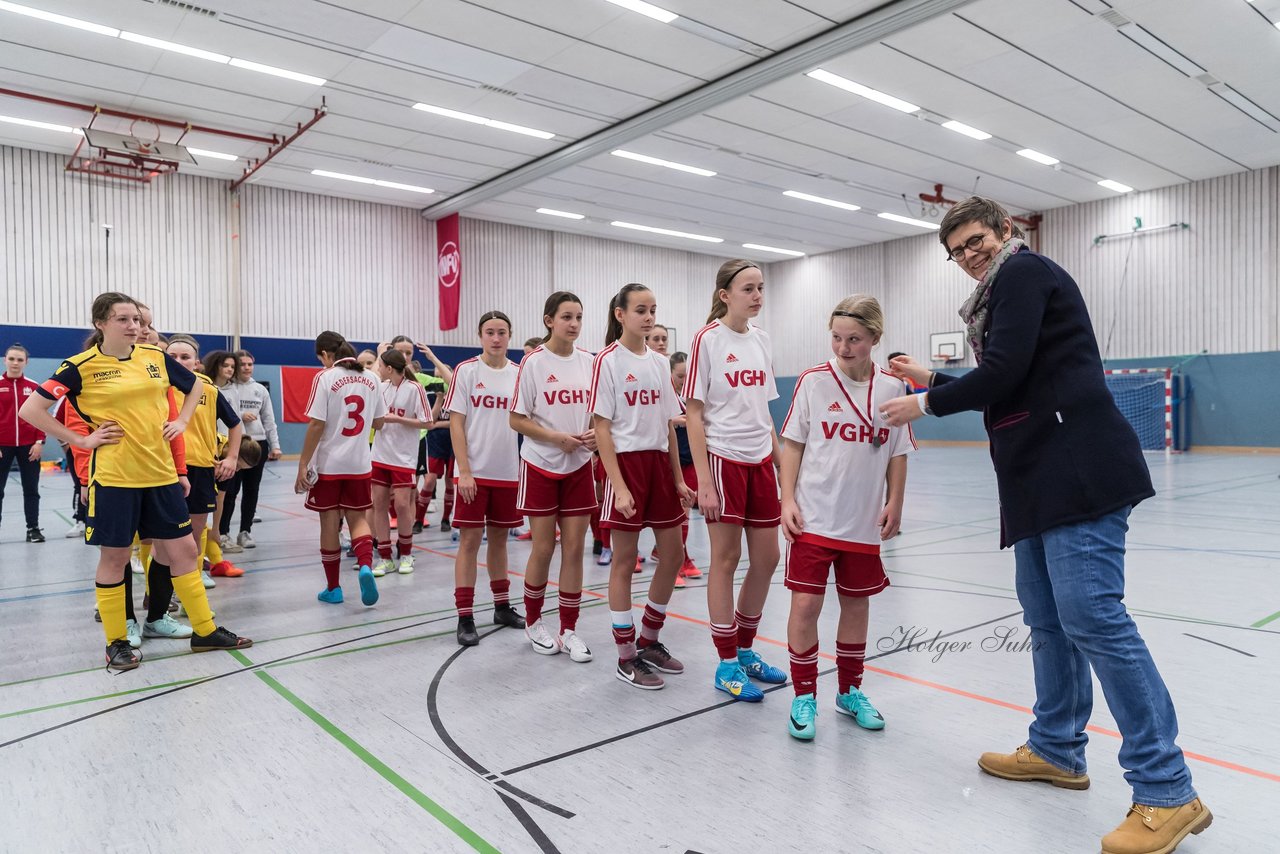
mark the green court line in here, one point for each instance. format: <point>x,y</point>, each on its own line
<point>465,833</point>
<point>100,697</point>
<point>1265,620</point>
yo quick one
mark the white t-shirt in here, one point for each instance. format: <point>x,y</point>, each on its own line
<point>841,485</point>
<point>396,445</point>
<point>732,374</point>
<point>483,396</point>
<point>553,391</point>
<point>347,402</point>
<point>634,392</point>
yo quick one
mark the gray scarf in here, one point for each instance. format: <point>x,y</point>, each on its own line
<point>974,310</point>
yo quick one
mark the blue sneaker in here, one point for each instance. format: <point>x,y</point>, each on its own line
<point>756,668</point>
<point>368,587</point>
<point>804,717</point>
<point>333,597</point>
<point>731,679</point>
<point>856,705</point>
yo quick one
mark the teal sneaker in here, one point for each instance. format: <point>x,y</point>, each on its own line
<point>804,717</point>
<point>368,587</point>
<point>333,597</point>
<point>756,668</point>
<point>856,705</point>
<point>165,627</point>
<point>133,633</point>
<point>731,679</point>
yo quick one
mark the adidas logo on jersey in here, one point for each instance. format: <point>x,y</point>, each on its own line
<point>731,358</point>
<point>835,407</point>
<point>479,386</point>
<point>552,379</point>
<point>631,378</point>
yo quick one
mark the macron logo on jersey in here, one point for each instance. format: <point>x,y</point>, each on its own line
<point>835,407</point>
<point>745,378</point>
<point>731,359</point>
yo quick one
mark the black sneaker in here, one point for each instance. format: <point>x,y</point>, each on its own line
<point>97,618</point>
<point>657,657</point>
<point>417,527</point>
<point>219,638</point>
<point>122,657</point>
<point>596,547</point>
<point>444,524</point>
<point>505,615</point>
<point>467,635</point>
<point>35,536</point>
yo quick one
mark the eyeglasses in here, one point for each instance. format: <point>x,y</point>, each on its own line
<point>973,244</point>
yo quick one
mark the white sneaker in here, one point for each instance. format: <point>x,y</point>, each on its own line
<point>406,564</point>
<point>431,506</point>
<point>575,646</point>
<point>605,557</point>
<point>246,541</point>
<point>135,563</point>
<point>133,633</point>
<point>344,540</point>
<point>209,583</point>
<point>229,545</point>
<point>382,566</point>
<point>543,641</point>
<point>76,530</point>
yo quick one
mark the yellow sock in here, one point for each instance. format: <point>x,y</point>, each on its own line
<point>111,609</point>
<point>190,589</point>
<point>212,549</point>
<point>144,554</point>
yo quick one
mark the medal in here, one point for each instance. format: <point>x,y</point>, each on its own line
<point>876,441</point>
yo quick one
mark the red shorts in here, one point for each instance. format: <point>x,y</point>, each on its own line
<point>857,573</point>
<point>340,493</point>
<point>495,505</point>
<point>392,478</point>
<point>546,494</point>
<point>748,492</point>
<point>598,474</point>
<point>657,504</point>
<point>440,467</point>
<point>690,473</point>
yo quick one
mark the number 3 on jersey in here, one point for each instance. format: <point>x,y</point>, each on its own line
<point>355,415</point>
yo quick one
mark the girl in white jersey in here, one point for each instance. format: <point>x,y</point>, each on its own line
<point>633,404</point>
<point>488,458</point>
<point>395,457</point>
<point>733,445</point>
<point>550,411</point>
<point>334,468</point>
<point>839,454</point>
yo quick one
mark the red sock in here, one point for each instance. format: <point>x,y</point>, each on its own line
<point>448,493</point>
<point>404,545</point>
<point>464,598</point>
<point>501,591</point>
<point>606,537</point>
<point>651,623</point>
<point>595,524</point>
<point>363,547</point>
<point>849,662</point>
<point>747,626</point>
<point>384,549</point>
<point>726,641</point>
<point>332,562</point>
<point>804,670</point>
<point>420,507</point>
<point>533,597</point>
<point>684,536</point>
<point>625,638</point>
<point>569,605</point>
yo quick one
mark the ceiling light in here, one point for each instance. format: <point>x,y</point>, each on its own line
<point>756,246</point>
<point>32,123</point>
<point>646,9</point>
<point>668,232</point>
<point>865,91</point>
<point>971,132</point>
<point>644,158</point>
<point>59,19</point>
<point>565,214</point>
<point>360,179</point>
<point>820,200</point>
<point>1032,154</point>
<point>394,185</point>
<point>1115,185</point>
<point>906,220</point>
<point>215,155</point>
<point>481,120</point>
<point>278,72</point>
<point>175,47</point>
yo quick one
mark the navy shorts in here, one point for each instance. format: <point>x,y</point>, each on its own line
<point>116,513</point>
<point>440,444</point>
<point>203,497</point>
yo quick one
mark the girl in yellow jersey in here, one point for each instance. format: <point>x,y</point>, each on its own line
<point>120,388</point>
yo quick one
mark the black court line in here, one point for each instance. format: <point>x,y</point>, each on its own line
<point>705,709</point>
<point>1223,645</point>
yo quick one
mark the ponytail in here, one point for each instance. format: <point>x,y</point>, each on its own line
<point>343,353</point>
<point>724,281</point>
<point>613,328</point>
<point>394,360</point>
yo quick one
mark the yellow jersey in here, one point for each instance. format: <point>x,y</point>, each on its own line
<point>134,393</point>
<point>202,433</point>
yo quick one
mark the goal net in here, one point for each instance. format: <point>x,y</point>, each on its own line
<point>1145,397</point>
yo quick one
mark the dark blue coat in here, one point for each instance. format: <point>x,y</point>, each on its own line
<point>1062,451</point>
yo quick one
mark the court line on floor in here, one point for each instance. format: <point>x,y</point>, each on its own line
<point>1223,645</point>
<point>1265,620</point>
<point>448,819</point>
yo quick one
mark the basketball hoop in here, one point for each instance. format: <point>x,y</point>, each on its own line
<point>146,133</point>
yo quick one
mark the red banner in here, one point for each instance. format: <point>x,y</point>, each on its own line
<point>448,270</point>
<point>295,390</point>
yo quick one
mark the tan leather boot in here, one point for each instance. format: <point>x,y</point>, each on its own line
<point>1024,766</point>
<point>1156,830</point>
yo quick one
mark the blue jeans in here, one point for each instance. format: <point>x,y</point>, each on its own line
<point>1071,585</point>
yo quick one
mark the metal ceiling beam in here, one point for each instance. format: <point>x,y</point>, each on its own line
<point>870,27</point>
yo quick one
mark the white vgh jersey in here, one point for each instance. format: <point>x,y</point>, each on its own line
<point>841,485</point>
<point>483,395</point>
<point>347,402</point>
<point>635,394</point>
<point>396,445</point>
<point>553,391</point>
<point>732,374</point>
